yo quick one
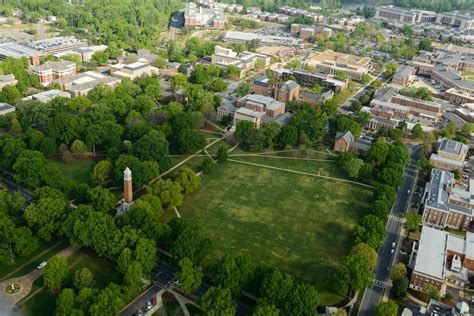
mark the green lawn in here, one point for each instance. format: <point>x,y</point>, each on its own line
<point>31,266</point>
<point>78,170</point>
<point>298,223</point>
<point>7,268</point>
<point>43,303</point>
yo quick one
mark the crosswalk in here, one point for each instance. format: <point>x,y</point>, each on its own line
<point>379,283</point>
<point>397,218</point>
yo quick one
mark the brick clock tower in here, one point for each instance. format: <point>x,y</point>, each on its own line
<point>127,186</point>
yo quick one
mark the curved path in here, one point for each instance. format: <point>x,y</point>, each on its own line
<point>8,301</point>
<point>301,172</point>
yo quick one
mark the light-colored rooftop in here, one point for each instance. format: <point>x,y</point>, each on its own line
<point>431,252</point>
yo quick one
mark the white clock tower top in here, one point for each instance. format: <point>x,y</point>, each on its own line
<point>127,174</point>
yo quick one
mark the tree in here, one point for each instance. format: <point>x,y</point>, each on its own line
<point>101,199</point>
<point>467,128</point>
<point>400,287</point>
<point>55,273</point>
<point>145,254</point>
<point>295,63</point>
<point>67,157</point>
<point>78,148</point>
<point>275,286</point>
<point>365,251</point>
<point>207,165</point>
<point>432,291</point>
<point>192,243</point>
<point>266,310</point>
<point>124,260</point>
<point>83,278</point>
<point>356,272</point>
<point>371,231</point>
<point>413,220</point>
<point>109,302</point>
<point>153,146</point>
<point>189,140</point>
<point>45,215</point>
<point>133,276</point>
<point>168,191</point>
<point>29,167</point>
<point>48,147</point>
<point>354,166</point>
<point>417,131</point>
<point>389,308</point>
<point>398,271</point>
<point>425,44</point>
<point>188,180</point>
<point>243,89</point>
<point>378,152</point>
<point>218,302</point>
<point>218,85</point>
<point>232,71</point>
<point>233,272</point>
<point>65,303</point>
<point>407,30</point>
<point>222,153</point>
<point>340,75</point>
<point>301,300</point>
<point>199,75</point>
<point>288,136</point>
<point>102,173</point>
<point>190,278</point>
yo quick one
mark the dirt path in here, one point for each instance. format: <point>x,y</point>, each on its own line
<point>301,172</point>
<point>30,261</point>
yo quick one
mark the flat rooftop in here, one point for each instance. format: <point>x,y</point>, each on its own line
<point>431,252</point>
<point>340,58</point>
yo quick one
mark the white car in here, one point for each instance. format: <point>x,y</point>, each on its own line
<point>393,245</point>
<point>408,192</point>
<point>41,265</point>
<point>148,305</point>
<point>393,251</point>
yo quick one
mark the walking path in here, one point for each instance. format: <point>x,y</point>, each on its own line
<point>8,301</point>
<point>301,172</point>
<point>30,261</point>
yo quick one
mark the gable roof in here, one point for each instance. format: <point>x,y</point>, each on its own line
<point>347,136</point>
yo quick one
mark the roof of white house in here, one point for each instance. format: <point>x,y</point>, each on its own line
<point>431,252</point>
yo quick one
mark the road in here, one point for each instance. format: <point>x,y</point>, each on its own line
<point>373,295</point>
<point>164,277</point>
<point>13,187</point>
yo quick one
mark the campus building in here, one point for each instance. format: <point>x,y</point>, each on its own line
<point>464,21</point>
<point>245,61</point>
<point>284,92</point>
<point>7,80</point>
<point>391,13</point>
<point>442,259</point>
<point>82,83</point>
<point>53,70</point>
<point>197,15</point>
<point>15,50</point>
<point>308,79</point>
<point>451,155</point>
<point>46,96</point>
<point>56,44</point>
<point>404,75</point>
<point>445,204</point>
<point>133,71</point>
<point>329,62</point>
<point>6,108</point>
<point>244,37</point>
<point>255,108</point>
<point>458,97</point>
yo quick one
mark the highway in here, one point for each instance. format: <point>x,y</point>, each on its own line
<point>373,295</point>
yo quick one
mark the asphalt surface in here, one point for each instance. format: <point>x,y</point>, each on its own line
<point>373,295</point>
<point>13,187</point>
<point>163,277</point>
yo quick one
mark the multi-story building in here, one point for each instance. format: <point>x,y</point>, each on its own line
<point>308,31</point>
<point>458,97</point>
<point>284,92</point>
<point>46,96</point>
<point>404,75</point>
<point>451,155</point>
<point>457,19</point>
<point>308,79</point>
<point>7,80</point>
<point>256,108</point>
<point>82,83</point>
<point>244,37</point>
<point>329,62</point>
<point>133,71</point>
<point>390,13</point>
<point>451,79</point>
<point>442,259</point>
<point>6,108</point>
<point>199,16</point>
<point>52,70</point>
<point>245,61</point>
<point>445,204</point>
<point>56,45</point>
<point>15,50</point>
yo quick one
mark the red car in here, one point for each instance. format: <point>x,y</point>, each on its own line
<point>153,300</point>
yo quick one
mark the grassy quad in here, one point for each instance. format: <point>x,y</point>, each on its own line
<point>78,170</point>
<point>298,223</point>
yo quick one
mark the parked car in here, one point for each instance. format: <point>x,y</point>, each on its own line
<point>393,251</point>
<point>41,265</point>
<point>153,301</point>
<point>393,245</point>
<point>148,305</point>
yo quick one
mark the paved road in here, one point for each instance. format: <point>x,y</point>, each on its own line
<point>163,276</point>
<point>373,295</point>
<point>13,187</point>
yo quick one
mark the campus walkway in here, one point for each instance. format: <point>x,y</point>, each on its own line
<point>8,301</point>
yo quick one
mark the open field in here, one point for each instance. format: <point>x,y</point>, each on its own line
<point>78,170</point>
<point>298,223</point>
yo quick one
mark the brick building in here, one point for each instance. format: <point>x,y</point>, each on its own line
<point>52,70</point>
<point>445,204</point>
<point>284,92</point>
<point>450,156</point>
